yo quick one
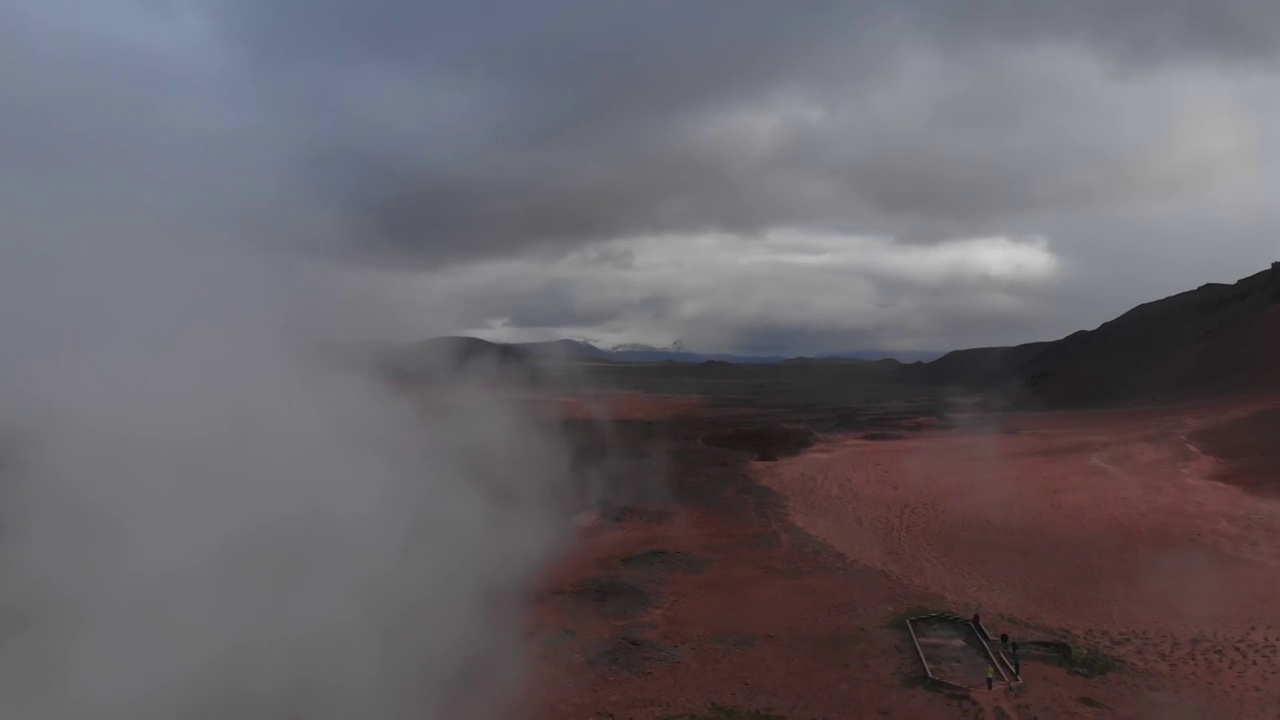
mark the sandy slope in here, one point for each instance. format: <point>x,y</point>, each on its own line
<point>1105,524</point>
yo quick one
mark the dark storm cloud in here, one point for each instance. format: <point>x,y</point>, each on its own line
<point>1136,139</point>
<point>456,128</point>
<point>1133,32</point>
<point>523,122</point>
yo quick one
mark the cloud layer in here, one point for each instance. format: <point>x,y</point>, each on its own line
<point>1138,141</point>
<point>784,290</point>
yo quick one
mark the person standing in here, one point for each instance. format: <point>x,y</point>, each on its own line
<point>991,677</point>
<point>1017,662</point>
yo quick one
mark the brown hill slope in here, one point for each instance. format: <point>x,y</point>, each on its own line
<point>1212,339</point>
<point>975,366</point>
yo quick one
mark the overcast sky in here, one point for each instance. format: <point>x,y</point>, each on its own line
<point>744,175</point>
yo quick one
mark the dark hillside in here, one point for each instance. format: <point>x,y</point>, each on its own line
<point>1216,337</point>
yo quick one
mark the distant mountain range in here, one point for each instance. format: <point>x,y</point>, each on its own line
<point>1216,338</point>
<point>634,353</point>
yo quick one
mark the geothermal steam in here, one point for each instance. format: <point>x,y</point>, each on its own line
<point>204,517</point>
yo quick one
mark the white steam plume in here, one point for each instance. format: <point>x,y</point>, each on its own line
<point>202,517</point>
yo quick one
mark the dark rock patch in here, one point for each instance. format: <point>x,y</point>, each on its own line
<point>910,420</point>
<point>883,436</point>
<point>633,655</point>
<point>634,514</point>
<point>667,561</point>
<point>638,629</point>
<point>612,597</point>
<point>733,642</point>
<point>765,443</point>
<point>553,638</point>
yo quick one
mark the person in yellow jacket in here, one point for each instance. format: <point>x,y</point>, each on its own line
<point>991,677</point>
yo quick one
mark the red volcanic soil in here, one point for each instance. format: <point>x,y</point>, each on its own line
<point>772,586</point>
<point>716,599</point>
<point>1249,448</point>
<point>1110,526</point>
<point>634,406</point>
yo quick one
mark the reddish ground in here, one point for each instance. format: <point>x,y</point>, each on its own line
<point>1110,526</point>
<point>634,406</point>
<point>1246,462</point>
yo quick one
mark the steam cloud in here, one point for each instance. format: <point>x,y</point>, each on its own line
<point>203,516</point>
